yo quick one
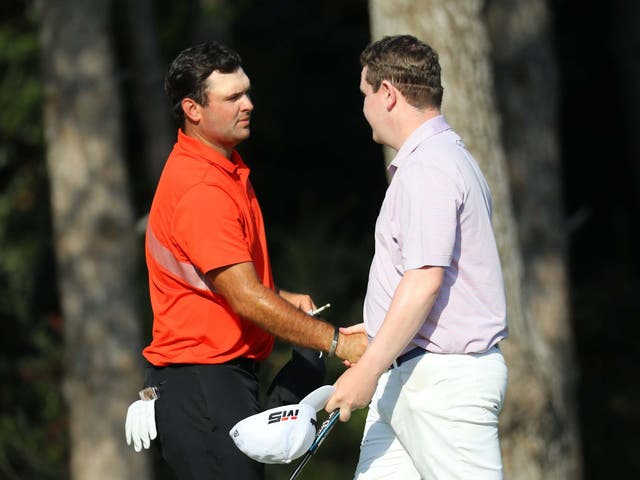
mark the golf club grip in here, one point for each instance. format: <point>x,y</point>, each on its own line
<point>324,430</point>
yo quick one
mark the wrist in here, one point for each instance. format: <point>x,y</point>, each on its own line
<point>375,362</point>
<point>334,342</point>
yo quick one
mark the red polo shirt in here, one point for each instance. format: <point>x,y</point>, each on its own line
<point>204,215</point>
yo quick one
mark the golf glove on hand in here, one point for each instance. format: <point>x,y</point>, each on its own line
<point>140,425</point>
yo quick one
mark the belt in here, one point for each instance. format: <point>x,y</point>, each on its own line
<point>244,363</point>
<point>417,351</point>
<point>405,357</point>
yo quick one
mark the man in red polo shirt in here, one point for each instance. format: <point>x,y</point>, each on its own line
<point>216,309</point>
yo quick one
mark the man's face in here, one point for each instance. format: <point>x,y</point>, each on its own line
<point>224,122</point>
<point>373,105</point>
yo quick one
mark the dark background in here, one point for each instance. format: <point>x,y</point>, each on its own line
<point>320,180</point>
<point>598,51</point>
<point>309,116</point>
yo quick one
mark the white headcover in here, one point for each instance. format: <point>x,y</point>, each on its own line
<point>281,434</point>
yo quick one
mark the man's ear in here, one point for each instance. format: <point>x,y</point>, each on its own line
<point>191,109</point>
<point>390,94</point>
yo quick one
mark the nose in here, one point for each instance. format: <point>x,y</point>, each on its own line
<point>248,104</point>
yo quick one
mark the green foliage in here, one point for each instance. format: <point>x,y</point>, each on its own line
<point>173,17</point>
<point>315,259</point>
<point>32,414</point>
<point>20,88</point>
<point>33,430</point>
<point>308,136</point>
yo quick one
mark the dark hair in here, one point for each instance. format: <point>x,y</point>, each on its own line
<point>409,64</point>
<point>188,73</point>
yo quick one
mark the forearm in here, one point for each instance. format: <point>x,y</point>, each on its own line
<point>412,301</point>
<point>281,318</point>
<point>250,299</point>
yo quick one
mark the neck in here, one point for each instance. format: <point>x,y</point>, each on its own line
<point>410,120</point>
<point>225,150</point>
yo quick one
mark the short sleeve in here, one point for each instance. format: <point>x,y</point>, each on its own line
<point>209,228</point>
<point>427,216</point>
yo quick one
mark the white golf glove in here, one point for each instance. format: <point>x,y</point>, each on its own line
<point>140,425</point>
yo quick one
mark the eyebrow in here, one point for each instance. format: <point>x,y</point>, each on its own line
<point>237,94</point>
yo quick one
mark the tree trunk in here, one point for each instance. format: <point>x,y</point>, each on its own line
<point>526,77</point>
<point>94,237</point>
<point>532,413</point>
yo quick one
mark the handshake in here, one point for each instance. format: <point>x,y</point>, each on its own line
<point>140,425</point>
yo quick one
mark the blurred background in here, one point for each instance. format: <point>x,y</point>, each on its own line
<point>545,94</point>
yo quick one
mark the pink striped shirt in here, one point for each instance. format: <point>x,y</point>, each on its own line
<point>437,212</point>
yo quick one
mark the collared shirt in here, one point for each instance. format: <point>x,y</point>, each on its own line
<point>437,212</point>
<point>204,216</point>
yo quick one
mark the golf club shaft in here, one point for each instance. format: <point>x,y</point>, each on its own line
<point>322,434</point>
<point>305,459</point>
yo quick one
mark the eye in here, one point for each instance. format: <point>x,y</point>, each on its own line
<point>239,96</point>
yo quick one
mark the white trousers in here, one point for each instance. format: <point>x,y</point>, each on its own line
<point>436,418</point>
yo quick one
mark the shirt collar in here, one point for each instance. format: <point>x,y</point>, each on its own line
<point>425,131</point>
<point>211,155</point>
